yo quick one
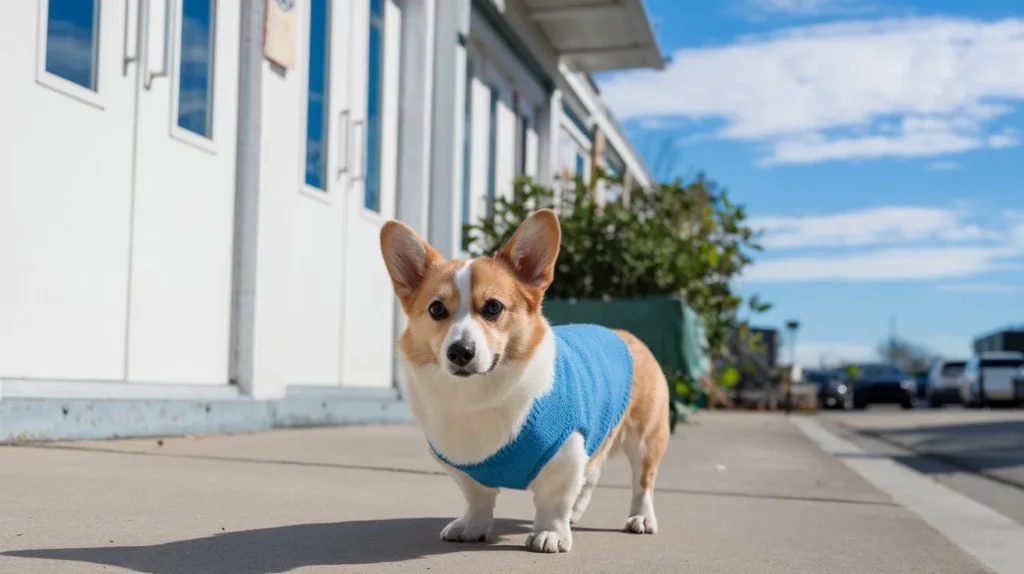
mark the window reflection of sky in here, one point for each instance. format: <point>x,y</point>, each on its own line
<point>467,138</point>
<point>195,82</point>
<point>373,108</point>
<point>316,105</point>
<point>492,148</point>
<point>71,41</point>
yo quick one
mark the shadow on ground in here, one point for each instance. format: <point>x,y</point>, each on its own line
<point>994,449</point>
<point>284,548</point>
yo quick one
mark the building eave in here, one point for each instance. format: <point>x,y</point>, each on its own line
<point>598,35</point>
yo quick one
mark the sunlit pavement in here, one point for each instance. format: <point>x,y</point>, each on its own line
<point>738,493</point>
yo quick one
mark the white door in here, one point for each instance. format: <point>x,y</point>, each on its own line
<point>182,234</point>
<point>367,328</point>
<point>116,189</point>
<point>66,131</point>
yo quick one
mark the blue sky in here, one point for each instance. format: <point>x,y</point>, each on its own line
<point>878,145</point>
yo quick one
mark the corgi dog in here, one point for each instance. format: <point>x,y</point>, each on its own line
<point>508,401</point>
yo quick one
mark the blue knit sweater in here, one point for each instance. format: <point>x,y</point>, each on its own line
<point>591,390</point>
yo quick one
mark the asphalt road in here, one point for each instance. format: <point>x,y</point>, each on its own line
<point>978,453</point>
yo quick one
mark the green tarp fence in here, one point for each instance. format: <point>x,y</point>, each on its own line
<point>672,330</point>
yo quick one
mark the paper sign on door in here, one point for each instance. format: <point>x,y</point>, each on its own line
<point>279,33</point>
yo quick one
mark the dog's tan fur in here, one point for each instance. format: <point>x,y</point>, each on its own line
<point>647,413</point>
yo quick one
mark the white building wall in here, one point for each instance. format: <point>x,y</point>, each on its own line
<point>496,70</point>
<point>596,115</point>
<point>65,207</point>
<point>116,241</point>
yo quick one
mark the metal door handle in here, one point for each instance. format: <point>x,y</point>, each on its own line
<point>344,125</point>
<point>168,45</point>
<point>358,166</point>
<point>132,56</point>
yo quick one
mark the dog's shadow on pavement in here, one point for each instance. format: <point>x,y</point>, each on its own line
<point>285,548</point>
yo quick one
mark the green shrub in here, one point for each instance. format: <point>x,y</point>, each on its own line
<point>686,239</point>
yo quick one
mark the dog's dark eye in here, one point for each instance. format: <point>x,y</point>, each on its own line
<point>492,308</point>
<point>437,311</point>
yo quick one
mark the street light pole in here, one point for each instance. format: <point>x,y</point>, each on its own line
<point>792,325</point>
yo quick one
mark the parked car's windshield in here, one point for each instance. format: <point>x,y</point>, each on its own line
<point>1002,363</point>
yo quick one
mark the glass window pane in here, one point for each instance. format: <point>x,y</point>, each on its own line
<point>1001,363</point>
<point>520,134</point>
<point>195,74</point>
<point>373,112</point>
<point>492,149</point>
<point>316,96</point>
<point>72,42</point>
<point>467,158</point>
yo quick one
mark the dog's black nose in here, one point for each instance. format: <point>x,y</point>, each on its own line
<point>461,353</point>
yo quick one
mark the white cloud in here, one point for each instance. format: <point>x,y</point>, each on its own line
<point>889,242</point>
<point>905,88</point>
<point>950,346</point>
<point>916,137</point>
<point>977,288</point>
<point>886,264</point>
<point>792,6</point>
<point>754,8</point>
<point>875,226</point>
<point>1017,236</point>
<point>1009,137</point>
<point>813,354</point>
<point>944,166</point>
<point>659,124</point>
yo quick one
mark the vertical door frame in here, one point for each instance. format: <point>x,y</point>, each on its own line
<point>412,193</point>
<point>247,198</point>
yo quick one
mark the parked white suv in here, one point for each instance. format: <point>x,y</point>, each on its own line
<point>995,370</point>
<point>945,380</point>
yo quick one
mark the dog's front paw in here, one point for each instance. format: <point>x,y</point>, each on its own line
<point>549,541</point>
<point>465,531</point>
<point>641,524</point>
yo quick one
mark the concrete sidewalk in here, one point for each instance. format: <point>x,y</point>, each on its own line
<point>738,493</point>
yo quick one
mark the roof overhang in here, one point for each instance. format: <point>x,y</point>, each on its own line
<point>598,35</point>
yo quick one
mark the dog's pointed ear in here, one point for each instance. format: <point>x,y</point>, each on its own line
<point>407,257</point>
<point>533,249</point>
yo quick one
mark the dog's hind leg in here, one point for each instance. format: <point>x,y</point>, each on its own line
<point>645,433</point>
<point>644,454</point>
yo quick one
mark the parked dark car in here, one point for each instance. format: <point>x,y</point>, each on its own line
<point>921,379</point>
<point>833,389</point>
<point>883,384</point>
